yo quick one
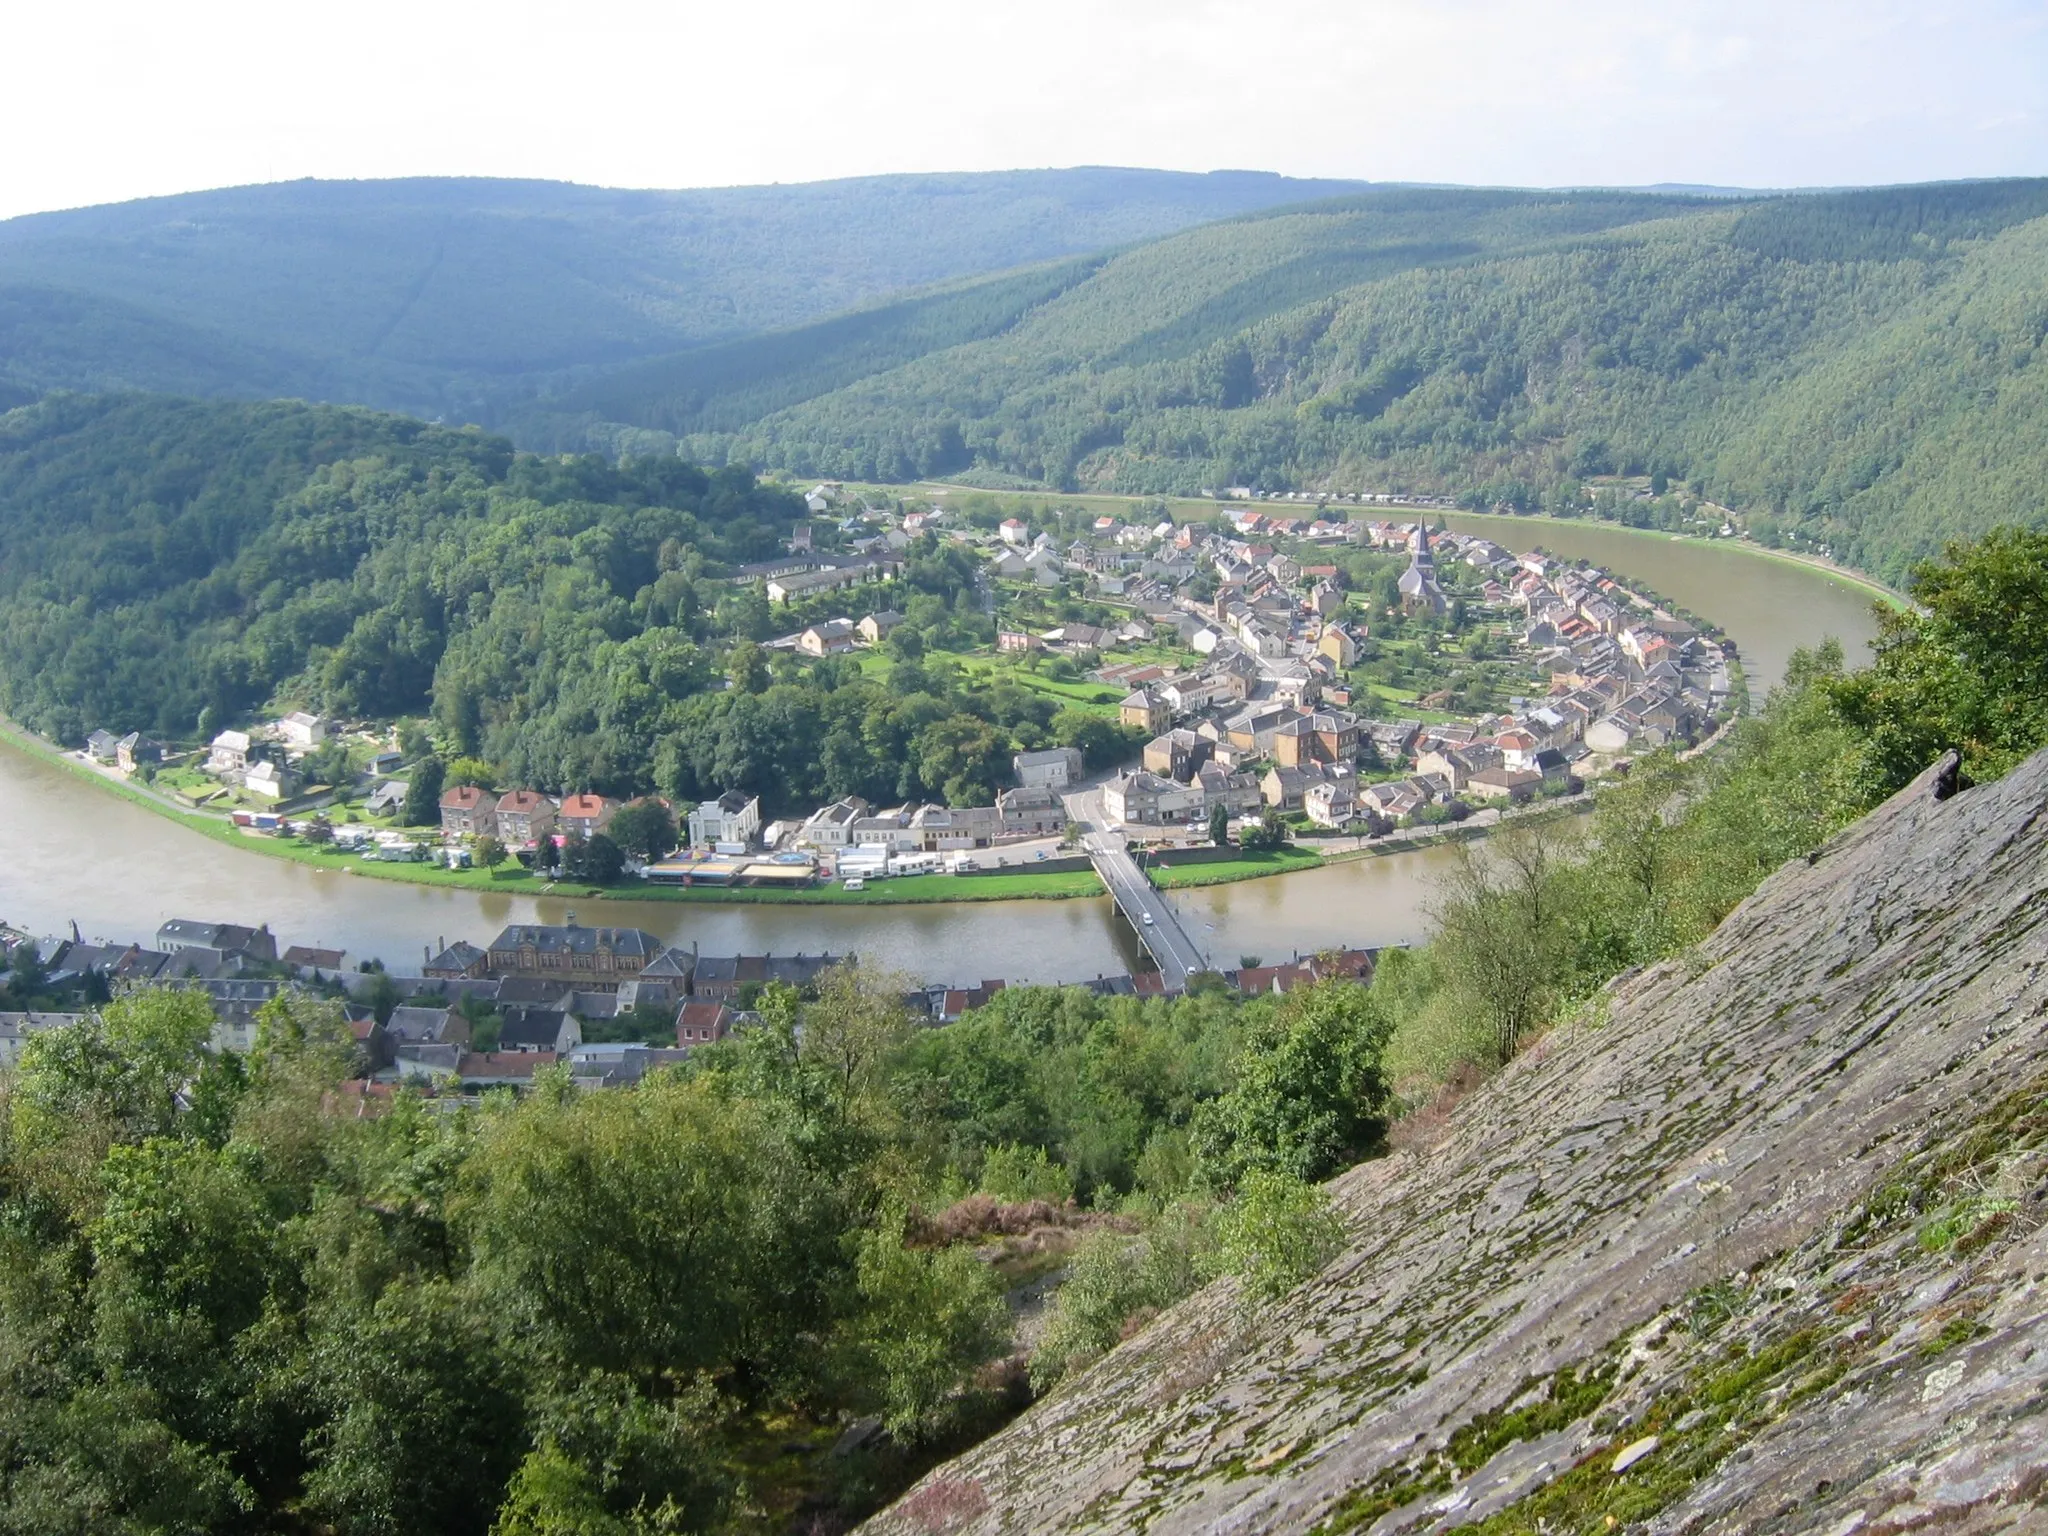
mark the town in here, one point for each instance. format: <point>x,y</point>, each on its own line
<point>1258,679</point>
<point>1249,709</point>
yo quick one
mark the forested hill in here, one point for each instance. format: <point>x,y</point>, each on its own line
<point>447,296</point>
<point>176,566</point>
<point>1862,367</point>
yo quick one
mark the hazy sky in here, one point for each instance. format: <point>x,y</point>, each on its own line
<point>111,99</point>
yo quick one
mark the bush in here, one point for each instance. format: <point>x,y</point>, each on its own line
<point>1277,1233</point>
<point>1014,1173</point>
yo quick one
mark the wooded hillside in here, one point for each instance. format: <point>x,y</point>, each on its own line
<point>1860,366</point>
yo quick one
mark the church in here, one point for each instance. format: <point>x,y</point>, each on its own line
<point>1420,592</point>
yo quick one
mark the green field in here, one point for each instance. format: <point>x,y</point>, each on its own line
<point>1246,866</point>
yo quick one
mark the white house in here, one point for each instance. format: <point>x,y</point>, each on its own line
<point>228,753</point>
<point>731,818</point>
<point>267,780</point>
<point>299,729</point>
<point>1054,768</point>
<point>1015,532</point>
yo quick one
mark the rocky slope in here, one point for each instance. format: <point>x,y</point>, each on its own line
<point>1754,1245</point>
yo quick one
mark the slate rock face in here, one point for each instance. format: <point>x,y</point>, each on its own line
<point>1778,1201</point>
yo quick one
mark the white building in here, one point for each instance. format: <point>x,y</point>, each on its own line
<point>299,729</point>
<point>1054,768</point>
<point>731,818</point>
<point>229,752</point>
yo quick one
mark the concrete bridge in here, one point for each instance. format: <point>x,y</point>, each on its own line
<point>1150,915</point>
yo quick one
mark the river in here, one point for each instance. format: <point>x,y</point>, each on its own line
<point>72,852</point>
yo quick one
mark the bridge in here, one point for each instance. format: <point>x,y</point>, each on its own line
<point>1164,937</point>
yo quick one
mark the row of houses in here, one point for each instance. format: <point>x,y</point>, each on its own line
<point>521,817</point>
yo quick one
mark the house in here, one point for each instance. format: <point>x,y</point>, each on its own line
<point>1339,642</point>
<point>720,978</point>
<point>481,1071</point>
<point>1330,804</point>
<point>585,815</point>
<point>1517,747</point>
<point>702,1023</point>
<point>1030,811</point>
<point>302,730</point>
<point>943,829</point>
<point>459,959</point>
<point>430,1064</point>
<point>524,817</point>
<point>662,983</point>
<point>426,1026</point>
<point>387,798</point>
<point>1014,532</point>
<point>1283,788</point>
<point>538,1029</point>
<point>1610,735</point>
<point>951,1004</point>
<point>1503,783</point>
<point>469,811</point>
<point>135,749</point>
<point>16,1028</point>
<point>732,820</point>
<point>1551,764</point>
<point>875,628</point>
<point>1146,799</point>
<point>1013,641</point>
<point>1324,599</point>
<point>1053,768</point>
<point>269,780</point>
<point>305,959</point>
<point>100,746</point>
<point>1177,754</point>
<point>598,958</point>
<point>1237,793</point>
<point>183,933</point>
<point>828,639</point>
<point>1145,711</point>
<point>831,826</point>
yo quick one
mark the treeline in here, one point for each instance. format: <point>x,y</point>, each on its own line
<point>1860,367</point>
<point>171,566</point>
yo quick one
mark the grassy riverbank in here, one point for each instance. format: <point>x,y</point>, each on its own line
<point>1246,866</point>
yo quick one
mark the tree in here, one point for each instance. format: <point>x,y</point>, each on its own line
<point>423,793</point>
<point>603,860</point>
<point>573,860</point>
<point>1219,824</point>
<point>1277,1233</point>
<point>645,829</point>
<point>1310,1094</point>
<point>490,852</point>
<point>470,770</point>
<point>929,1317</point>
<point>1269,834</point>
<point>1968,672</point>
<point>1499,938</point>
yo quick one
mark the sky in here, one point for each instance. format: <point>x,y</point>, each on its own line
<point>113,99</point>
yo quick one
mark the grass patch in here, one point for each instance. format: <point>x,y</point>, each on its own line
<point>1246,866</point>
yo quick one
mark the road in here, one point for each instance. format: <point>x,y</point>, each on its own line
<point>1177,954</point>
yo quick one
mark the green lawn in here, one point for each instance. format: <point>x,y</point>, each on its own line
<point>1246,866</point>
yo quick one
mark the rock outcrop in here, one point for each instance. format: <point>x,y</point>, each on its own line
<point>1755,1244</point>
